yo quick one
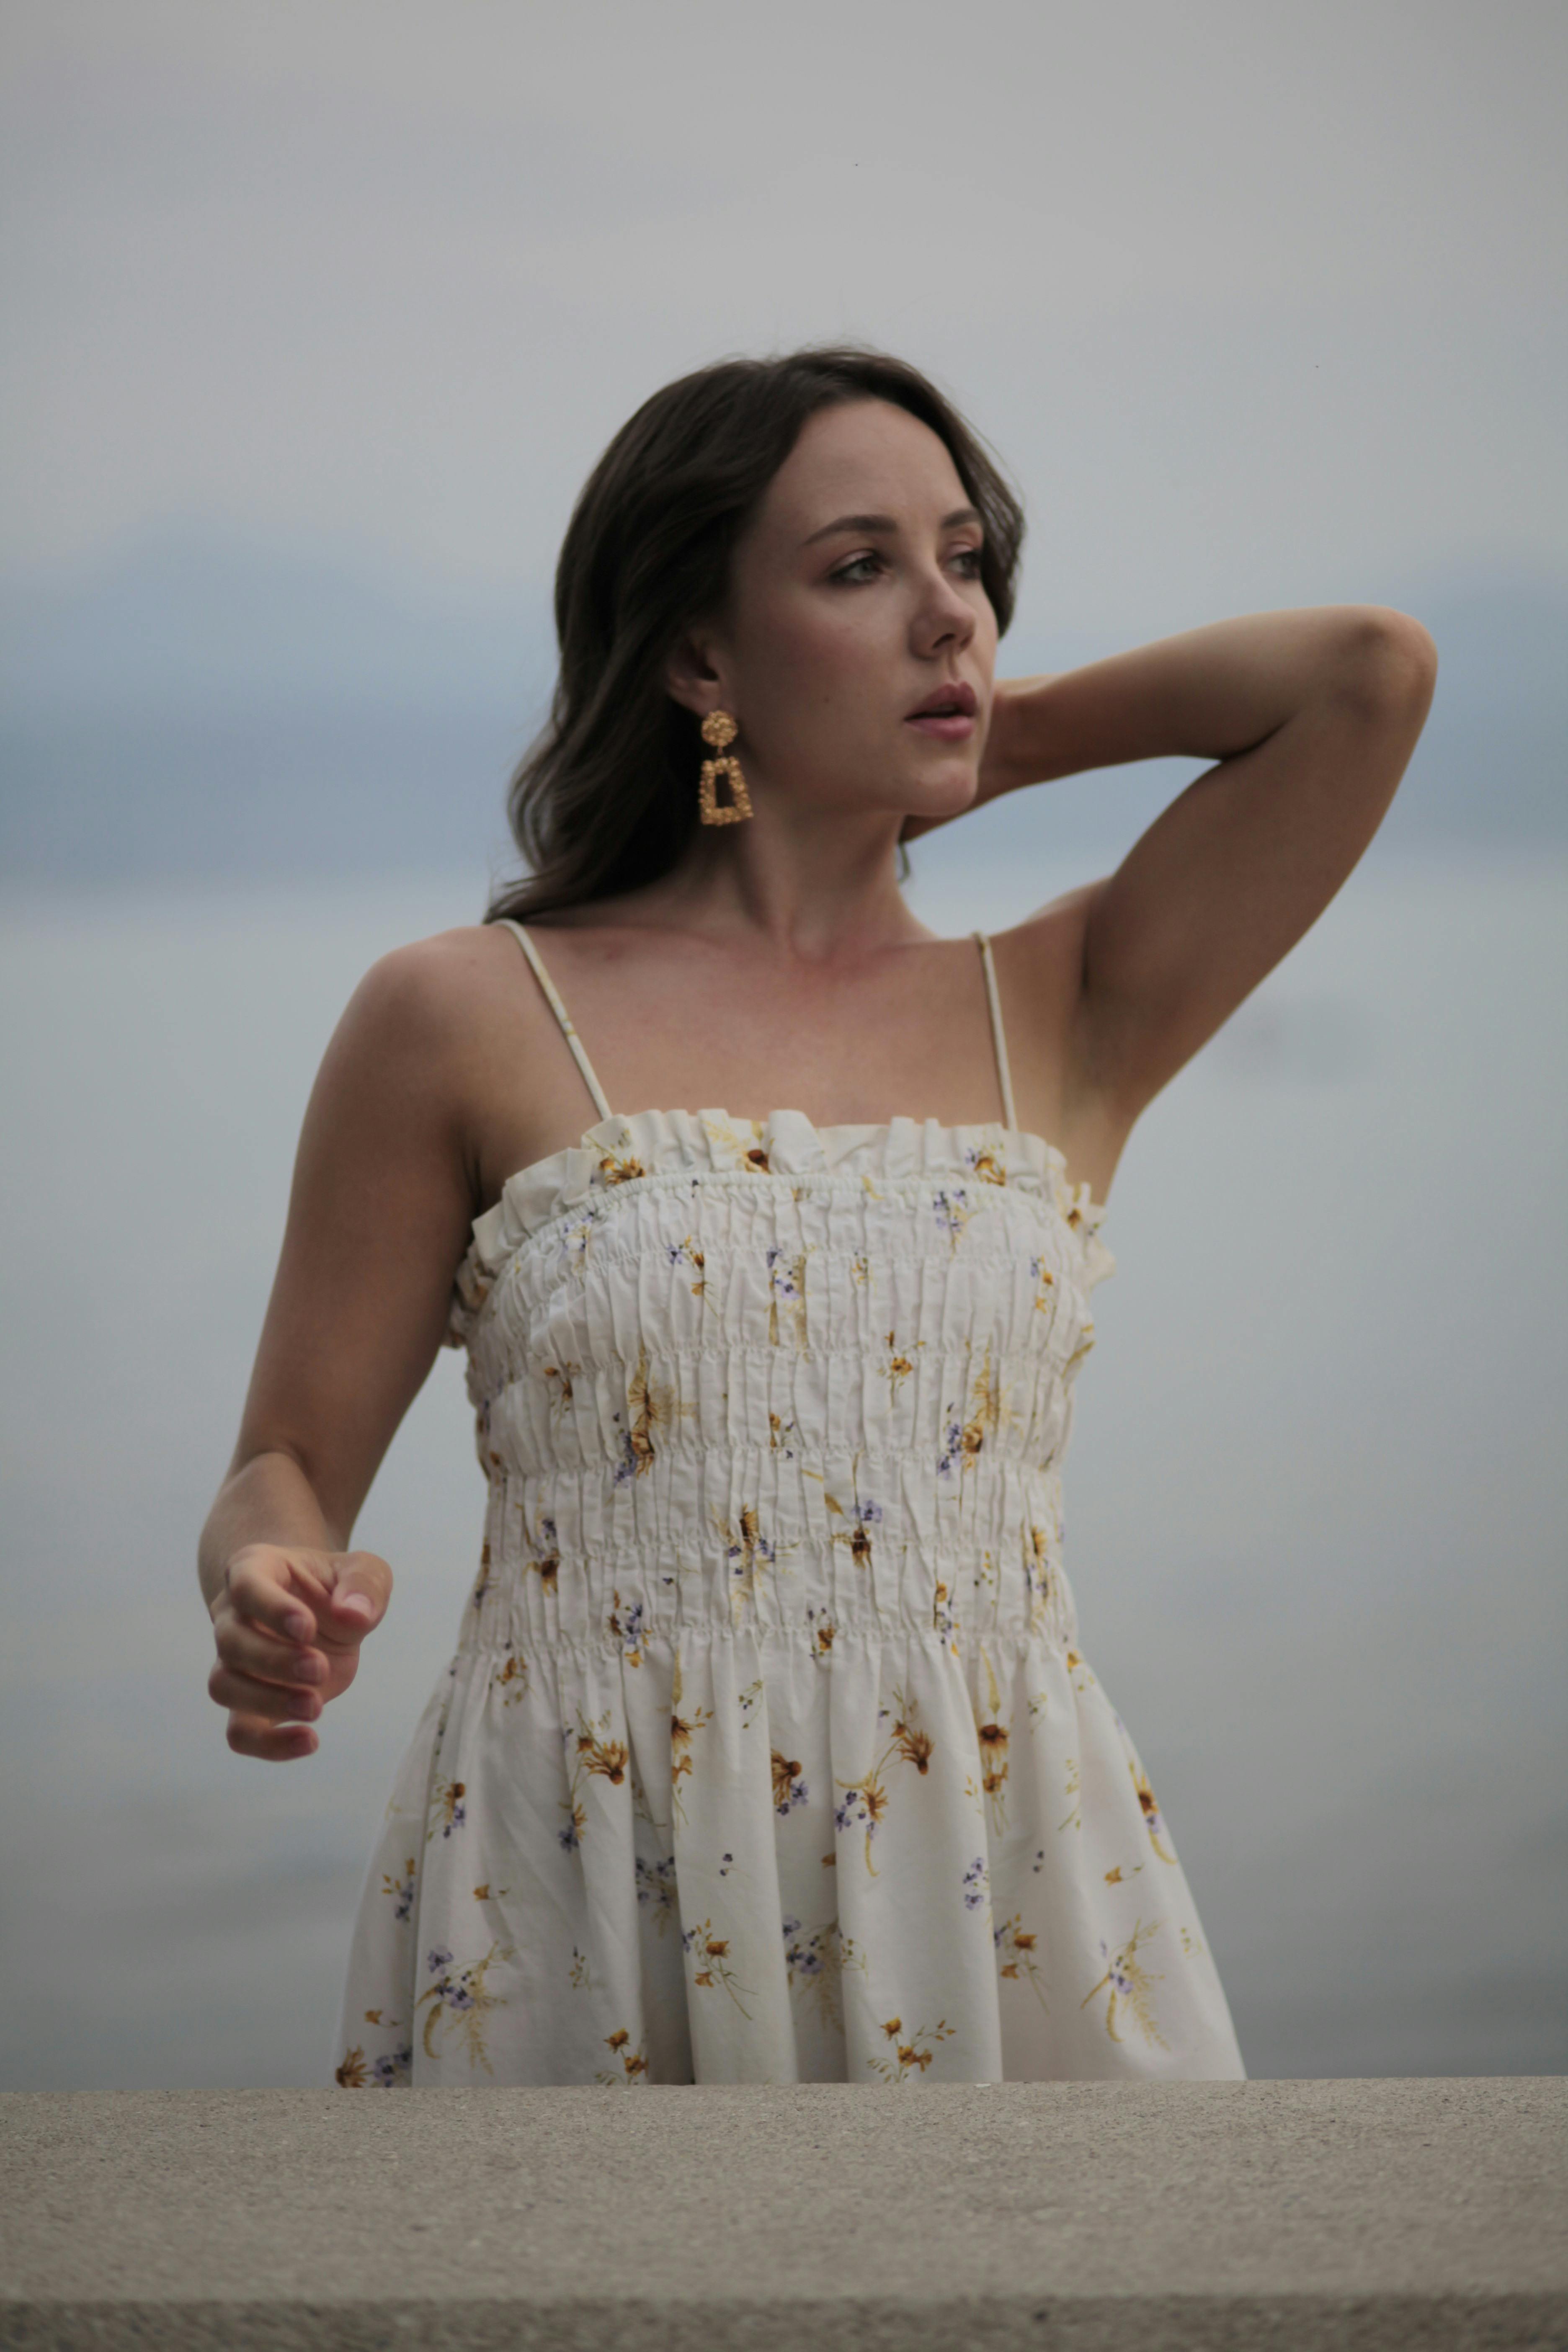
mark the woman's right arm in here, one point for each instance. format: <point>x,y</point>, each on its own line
<point>379,1215</point>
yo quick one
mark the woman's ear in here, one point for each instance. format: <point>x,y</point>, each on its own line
<point>691,676</point>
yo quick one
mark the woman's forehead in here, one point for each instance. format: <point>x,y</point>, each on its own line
<point>862,457</point>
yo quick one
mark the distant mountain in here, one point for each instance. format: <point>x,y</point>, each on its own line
<point>202,706</point>
<point>189,621</point>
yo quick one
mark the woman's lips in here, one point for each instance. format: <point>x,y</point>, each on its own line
<point>948,712</point>
<point>949,727</point>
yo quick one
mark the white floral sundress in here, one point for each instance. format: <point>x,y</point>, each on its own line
<point>768,1752</point>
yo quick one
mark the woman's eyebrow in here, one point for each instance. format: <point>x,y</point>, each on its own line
<point>884,526</point>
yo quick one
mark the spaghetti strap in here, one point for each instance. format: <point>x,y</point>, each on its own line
<point>552,999</point>
<point>998,1034</point>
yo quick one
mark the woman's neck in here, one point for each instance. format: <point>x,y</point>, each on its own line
<point>817,888</point>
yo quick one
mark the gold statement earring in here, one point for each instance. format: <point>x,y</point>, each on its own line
<point>717,729</point>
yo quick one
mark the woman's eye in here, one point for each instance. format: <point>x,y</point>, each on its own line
<point>969,557</point>
<point>860,567</point>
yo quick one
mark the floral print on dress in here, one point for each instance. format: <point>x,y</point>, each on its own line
<point>814,1963</point>
<point>864,1803</point>
<point>657,1890</point>
<point>787,1297</point>
<point>545,1549</point>
<point>790,1790</point>
<point>575,1241</point>
<point>391,2070</point>
<point>1017,1960</point>
<point>750,1555</point>
<point>861,1516</point>
<point>401,1889</point>
<point>1037,1572</point>
<point>912,2054</point>
<point>511,1677</point>
<point>944,1618</point>
<point>620,1168</point>
<point>712,1967</point>
<point>1152,1821</point>
<point>459,2002</point>
<point>633,2058</point>
<point>989,1412</point>
<point>986,1160</point>
<point>686,1253</point>
<point>650,1405</point>
<point>767,1703</point>
<point>449,1812</point>
<point>977,1884</point>
<point>994,1738</point>
<point>1128,1982</point>
<point>591,1754</point>
<point>624,1627</point>
<point>684,1727</point>
<point>738,1144</point>
<point>953,1212</point>
<point>900,1364</point>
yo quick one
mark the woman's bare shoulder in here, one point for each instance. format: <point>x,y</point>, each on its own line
<point>444,979</point>
<point>427,1013</point>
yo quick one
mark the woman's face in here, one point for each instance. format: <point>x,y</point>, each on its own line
<point>858,647</point>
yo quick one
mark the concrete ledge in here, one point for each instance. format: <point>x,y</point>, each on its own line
<point>1078,2217</point>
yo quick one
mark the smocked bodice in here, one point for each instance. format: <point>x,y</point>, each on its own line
<point>707,1355</point>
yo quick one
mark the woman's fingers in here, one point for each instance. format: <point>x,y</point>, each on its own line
<point>360,1591</point>
<point>269,1589</point>
<point>288,1627</point>
<point>252,1735</point>
<point>275,1702</point>
<point>251,1651</point>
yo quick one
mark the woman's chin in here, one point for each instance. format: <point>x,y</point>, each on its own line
<point>930,799</point>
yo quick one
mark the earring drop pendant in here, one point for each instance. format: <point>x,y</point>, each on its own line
<point>719,729</point>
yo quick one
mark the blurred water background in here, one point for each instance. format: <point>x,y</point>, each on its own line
<point>1315,1508</point>
<point>316,319</point>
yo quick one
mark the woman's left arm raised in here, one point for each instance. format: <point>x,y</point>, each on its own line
<point>1311,718</point>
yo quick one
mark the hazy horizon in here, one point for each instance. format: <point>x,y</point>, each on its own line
<point>315,326</point>
<point>203,705</point>
<point>1314,1508</point>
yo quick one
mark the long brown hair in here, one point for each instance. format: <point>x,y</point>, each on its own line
<point>605,798</point>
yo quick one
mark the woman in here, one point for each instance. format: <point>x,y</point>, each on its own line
<point>767,1752</point>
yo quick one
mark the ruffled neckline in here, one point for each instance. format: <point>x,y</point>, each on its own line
<point>647,1145</point>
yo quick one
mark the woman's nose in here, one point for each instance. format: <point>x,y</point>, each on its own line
<point>944,616</point>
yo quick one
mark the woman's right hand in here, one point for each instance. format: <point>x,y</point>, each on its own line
<point>289,1623</point>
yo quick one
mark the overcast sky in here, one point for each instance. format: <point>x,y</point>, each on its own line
<point>1261,304</point>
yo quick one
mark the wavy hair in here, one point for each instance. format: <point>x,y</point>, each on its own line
<point>605,800</point>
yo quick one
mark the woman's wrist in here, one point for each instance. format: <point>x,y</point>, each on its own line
<point>268,1502</point>
<point>1015,746</point>
<point>1018,743</point>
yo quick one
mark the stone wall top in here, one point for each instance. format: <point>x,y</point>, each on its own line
<point>1091,2216</point>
